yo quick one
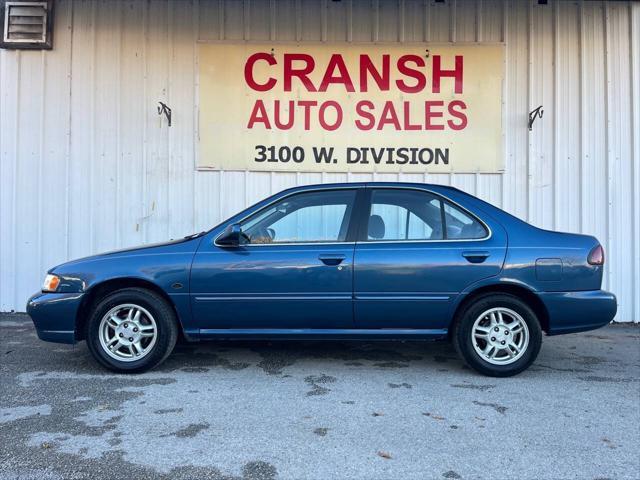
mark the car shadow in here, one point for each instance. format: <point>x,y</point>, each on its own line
<point>274,356</point>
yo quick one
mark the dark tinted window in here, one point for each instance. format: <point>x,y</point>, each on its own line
<point>303,218</point>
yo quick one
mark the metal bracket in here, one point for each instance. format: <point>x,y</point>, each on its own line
<point>163,108</point>
<point>537,113</point>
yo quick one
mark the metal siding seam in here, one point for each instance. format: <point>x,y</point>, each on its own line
<point>246,188</point>
<point>556,19</point>
<point>92,134</point>
<point>171,55</point>
<point>43,83</point>
<point>608,133</point>
<point>67,168</point>
<point>14,184</point>
<point>273,33</point>
<point>453,11</point>
<point>220,194</point>
<point>323,20</point>
<point>426,33</point>
<point>119,126</point>
<point>246,19</point>
<point>401,20</point>
<point>375,21</point>
<point>350,21</point>
<point>505,101</point>
<point>529,88</point>
<point>581,116</point>
<point>221,32</point>
<point>195,28</point>
<point>145,121</point>
<point>2,204</point>
<point>479,20</point>
<point>634,38</point>
<point>503,23</point>
<point>298,14</point>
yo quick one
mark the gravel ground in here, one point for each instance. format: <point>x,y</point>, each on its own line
<point>321,410</point>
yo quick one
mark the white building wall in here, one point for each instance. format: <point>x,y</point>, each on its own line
<point>88,166</point>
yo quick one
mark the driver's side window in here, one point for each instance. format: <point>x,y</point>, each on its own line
<point>303,218</point>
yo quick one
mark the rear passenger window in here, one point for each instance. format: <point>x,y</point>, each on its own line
<point>461,226</point>
<point>405,215</point>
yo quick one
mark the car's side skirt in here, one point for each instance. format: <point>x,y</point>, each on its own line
<point>320,334</point>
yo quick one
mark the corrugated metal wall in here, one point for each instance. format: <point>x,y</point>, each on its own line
<point>87,165</point>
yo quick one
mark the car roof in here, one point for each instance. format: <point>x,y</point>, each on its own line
<point>328,186</point>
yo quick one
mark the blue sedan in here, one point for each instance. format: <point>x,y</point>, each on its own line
<point>362,261</point>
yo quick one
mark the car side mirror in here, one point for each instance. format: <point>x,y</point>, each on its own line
<point>232,236</point>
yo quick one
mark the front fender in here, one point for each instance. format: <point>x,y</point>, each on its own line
<point>167,268</point>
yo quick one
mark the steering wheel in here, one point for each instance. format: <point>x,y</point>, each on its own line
<point>262,235</point>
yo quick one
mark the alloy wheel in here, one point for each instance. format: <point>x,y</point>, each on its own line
<point>500,336</point>
<point>128,332</point>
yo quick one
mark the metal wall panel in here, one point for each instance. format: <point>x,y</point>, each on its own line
<point>87,165</point>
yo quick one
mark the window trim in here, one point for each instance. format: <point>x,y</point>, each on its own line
<point>352,219</point>
<point>363,238</point>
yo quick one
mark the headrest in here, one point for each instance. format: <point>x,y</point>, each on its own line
<point>376,227</point>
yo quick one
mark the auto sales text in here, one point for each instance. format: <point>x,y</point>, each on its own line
<point>369,75</point>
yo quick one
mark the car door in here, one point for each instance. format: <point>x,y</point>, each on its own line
<point>295,270</point>
<point>415,253</point>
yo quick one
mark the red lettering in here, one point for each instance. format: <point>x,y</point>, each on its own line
<point>388,116</point>
<point>300,73</point>
<point>429,114</point>
<point>259,115</point>
<point>336,62</point>
<point>438,73</point>
<point>360,110</point>
<point>276,119</point>
<point>248,72</point>
<point>457,113</point>
<point>322,119</point>
<point>367,67</point>
<point>407,118</point>
<point>307,104</point>
<point>404,69</point>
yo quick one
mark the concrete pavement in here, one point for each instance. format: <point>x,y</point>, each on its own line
<point>320,410</point>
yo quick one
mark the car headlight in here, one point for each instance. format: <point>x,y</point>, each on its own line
<point>51,283</point>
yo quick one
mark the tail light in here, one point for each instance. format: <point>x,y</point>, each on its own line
<point>596,256</point>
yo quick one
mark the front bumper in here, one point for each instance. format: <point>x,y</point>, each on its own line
<point>571,312</point>
<point>54,315</point>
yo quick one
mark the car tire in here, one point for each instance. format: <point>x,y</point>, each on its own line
<point>131,330</point>
<point>498,335</point>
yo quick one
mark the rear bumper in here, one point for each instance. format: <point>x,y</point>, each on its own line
<point>571,312</point>
<point>54,315</point>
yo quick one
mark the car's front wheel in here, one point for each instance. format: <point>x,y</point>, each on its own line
<point>131,330</point>
<point>498,335</point>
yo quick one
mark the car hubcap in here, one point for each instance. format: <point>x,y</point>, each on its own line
<point>500,336</point>
<point>128,332</point>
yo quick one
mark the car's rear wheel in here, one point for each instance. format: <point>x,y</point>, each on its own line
<point>498,335</point>
<point>131,330</point>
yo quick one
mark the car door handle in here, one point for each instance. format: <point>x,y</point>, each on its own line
<point>331,259</point>
<point>475,256</point>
